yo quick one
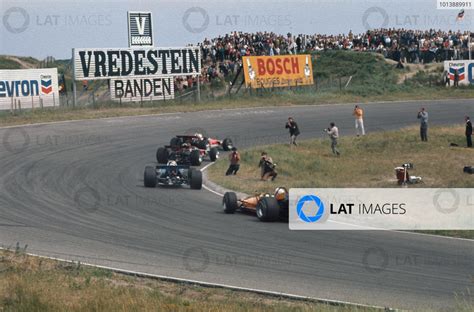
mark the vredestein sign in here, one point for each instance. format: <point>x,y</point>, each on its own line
<point>93,64</point>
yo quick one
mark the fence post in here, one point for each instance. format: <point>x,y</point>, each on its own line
<point>198,89</point>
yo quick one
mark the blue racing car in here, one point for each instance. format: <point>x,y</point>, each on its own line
<point>172,174</point>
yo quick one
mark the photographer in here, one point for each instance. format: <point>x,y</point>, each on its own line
<point>267,167</point>
<point>294,130</point>
<point>333,133</point>
<point>234,159</point>
<point>423,116</point>
<point>468,131</point>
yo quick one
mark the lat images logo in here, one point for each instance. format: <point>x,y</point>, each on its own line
<point>316,203</point>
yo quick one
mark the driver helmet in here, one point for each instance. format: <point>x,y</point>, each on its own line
<point>281,194</point>
<point>185,145</point>
<point>172,163</point>
<point>199,136</point>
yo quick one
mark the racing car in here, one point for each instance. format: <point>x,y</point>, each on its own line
<point>267,207</point>
<point>172,174</point>
<point>201,142</point>
<point>185,154</point>
<point>191,149</point>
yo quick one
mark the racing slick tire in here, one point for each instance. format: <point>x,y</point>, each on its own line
<point>227,144</point>
<point>149,177</point>
<point>213,154</point>
<point>162,155</point>
<point>268,209</point>
<point>195,179</point>
<point>195,158</point>
<point>175,142</point>
<point>229,202</point>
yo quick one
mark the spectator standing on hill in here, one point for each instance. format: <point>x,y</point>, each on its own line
<point>234,159</point>
<point>446,80</point>
<point>423,117</point>
<point>359,120</point>
<point>456,78</point>
<point>294,130</point>
<point>333,133</point>
<point>468,131</point>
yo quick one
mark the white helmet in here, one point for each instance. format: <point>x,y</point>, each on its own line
<point>281,193</point>
<point>199,136</point>
<point>172,163</point>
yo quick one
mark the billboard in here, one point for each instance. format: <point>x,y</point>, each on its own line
<point>140,29</point>
<point>142,88</point>
<point>277,71</point>
<point>92,64</point>
<point>28,88</point>
<point>465,70</point>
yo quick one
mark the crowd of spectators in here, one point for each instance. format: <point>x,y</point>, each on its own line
<point>222,56</point>
<point>411,45</point>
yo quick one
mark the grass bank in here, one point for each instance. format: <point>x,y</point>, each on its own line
<point>35,284</point>
<point>367,161</point>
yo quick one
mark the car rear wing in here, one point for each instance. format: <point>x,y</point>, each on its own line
<point>179,167</point>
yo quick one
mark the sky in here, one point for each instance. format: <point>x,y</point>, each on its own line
<point>52,28</point>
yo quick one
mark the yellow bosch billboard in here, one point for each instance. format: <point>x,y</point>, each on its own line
<point>277,71</point>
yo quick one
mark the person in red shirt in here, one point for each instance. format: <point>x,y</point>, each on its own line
<point>234,159</point>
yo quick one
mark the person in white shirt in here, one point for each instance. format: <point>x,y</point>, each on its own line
<point>333,133</point>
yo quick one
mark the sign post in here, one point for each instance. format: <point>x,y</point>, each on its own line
<point>74,91</point>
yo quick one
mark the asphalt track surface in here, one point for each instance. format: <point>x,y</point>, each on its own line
<point>75,190</point>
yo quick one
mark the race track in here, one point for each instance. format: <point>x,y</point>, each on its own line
<point>75,190</point>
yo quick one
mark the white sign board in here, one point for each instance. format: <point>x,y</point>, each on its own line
<point>28,88</point>
<point>465,70</point>
<point>142,88</point>
<point>140,29</point>
<point>381,209</point>
<point>92,64</point>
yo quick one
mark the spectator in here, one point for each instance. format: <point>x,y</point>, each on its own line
<point>234,159</point>
<point>456,78</point>
<point>294,130</point>
<point>468,131</point>
<point>423,117</point>
<point>267,167</point>
<point>359,120</point>
<point>333,133</point>
<point>446,79</point>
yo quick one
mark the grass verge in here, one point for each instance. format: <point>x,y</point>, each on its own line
<point>35,284</point>
<point>367,161</point>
